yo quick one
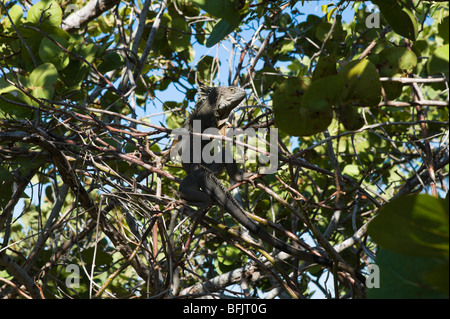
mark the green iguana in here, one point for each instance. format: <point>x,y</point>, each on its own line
<point>202,188</point>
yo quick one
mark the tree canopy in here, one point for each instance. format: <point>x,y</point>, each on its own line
<point>91,90</point>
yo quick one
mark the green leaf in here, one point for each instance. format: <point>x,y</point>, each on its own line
<point>399,58</point>
<point>438,62</point>
<point>46,12</point>
<point>362,83</point>
<point>42,81</point>
<point>75,72</point>
<point>178,36</point>
<point>403,277</point>
<point>267,79</point>
<point>205,68</point>
<point>282,47</point>
<point>351,169</point>
<point>15,13</point>
<point>316,111</point>
<point>283,21</point>
<point>349,117</point>
<point>52,53</point>
<point>88,51</point>
<point>443,28</point>
<point>393,89</point>
<point>5,87</point>
<point>325,66</point>
<point>174,120</point>
<point>401,20</point>
<point>322,30</point>
<point>415,225</point>
<point>111,61</point>
<point>101,257</point>
<point>438,277</point>
<point>219,32</point>
<point>287,100</point>
<point>225,9</point>
<point>12,107</point>
<point>330,13</point>
<point>301,110</point>
<point>11,103</point>
<point>228,258</point>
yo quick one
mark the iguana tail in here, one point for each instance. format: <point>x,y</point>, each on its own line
<point>216,190</point>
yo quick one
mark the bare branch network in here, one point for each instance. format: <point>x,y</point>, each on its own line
<point>86,162</point>
<point>102,197</point>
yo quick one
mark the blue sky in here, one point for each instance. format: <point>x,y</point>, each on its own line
<point>221,51</point>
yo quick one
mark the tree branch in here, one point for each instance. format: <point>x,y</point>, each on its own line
<point>89,12</point>
<point>20,274</point>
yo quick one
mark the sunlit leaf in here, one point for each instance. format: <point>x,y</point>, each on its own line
<point>415,225</point>
<point>45,12</point>
<point>178,36</point>
<point>15,13</point>
<point>400,58</point>
<point>42,81</point>
<point>50,52</point>
<point>438,63</point>
<point>362,83</point>
<point>301,113</point>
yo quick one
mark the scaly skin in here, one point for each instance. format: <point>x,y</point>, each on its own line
<point>202,188</point>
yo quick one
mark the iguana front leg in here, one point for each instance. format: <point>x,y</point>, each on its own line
<point>190,190</point>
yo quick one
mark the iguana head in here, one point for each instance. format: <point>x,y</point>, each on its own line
<point>224,98</point>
